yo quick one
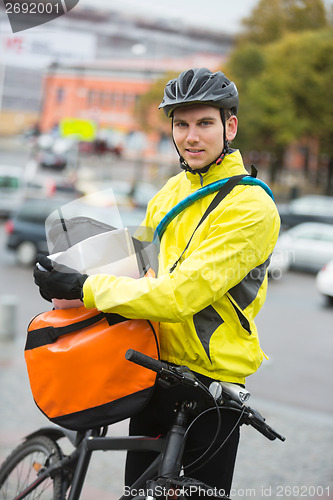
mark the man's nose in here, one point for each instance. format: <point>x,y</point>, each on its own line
<point>192,135</point>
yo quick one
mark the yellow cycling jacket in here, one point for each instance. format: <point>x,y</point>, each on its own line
<point>207,305</point>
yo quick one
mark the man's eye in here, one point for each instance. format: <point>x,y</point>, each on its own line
<point>181,124</point>
<point>205,123</point>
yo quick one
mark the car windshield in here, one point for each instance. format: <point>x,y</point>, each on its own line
<point>313,205</point>
<point>313,232</point>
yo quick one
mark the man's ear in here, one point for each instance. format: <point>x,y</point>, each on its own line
<point>231,128</point>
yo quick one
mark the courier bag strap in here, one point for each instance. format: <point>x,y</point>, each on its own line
<point>222,193</point>
<point>49,334</point>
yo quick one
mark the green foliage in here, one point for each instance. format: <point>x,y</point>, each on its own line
<point>246,63</point>
<point>270,20</point>
<point>147,113</point>
<point>305,14</point>
<point>289,95</point>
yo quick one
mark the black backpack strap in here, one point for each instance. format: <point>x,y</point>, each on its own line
<point>222,193</point>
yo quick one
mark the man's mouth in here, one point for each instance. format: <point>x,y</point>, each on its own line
<point>194,151</point>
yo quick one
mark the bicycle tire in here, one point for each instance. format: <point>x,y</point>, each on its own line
<point>21,468</point>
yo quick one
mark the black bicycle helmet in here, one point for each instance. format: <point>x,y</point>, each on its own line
<point>200,86</point>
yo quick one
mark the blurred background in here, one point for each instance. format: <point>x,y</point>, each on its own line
<point>79,100</point>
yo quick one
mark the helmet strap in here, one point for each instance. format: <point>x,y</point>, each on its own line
<point>226,148</point>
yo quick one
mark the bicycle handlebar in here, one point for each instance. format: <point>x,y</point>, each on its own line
<point>226,397</point>
<point>143,360</point>
<point>253,418</point>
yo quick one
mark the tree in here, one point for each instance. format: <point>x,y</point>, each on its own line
<point>288,93</point>
<point>146,111</point>
<point>270,20</point>
<point>245,67</point>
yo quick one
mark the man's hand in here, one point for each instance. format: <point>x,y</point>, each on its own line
<point>59,282</point>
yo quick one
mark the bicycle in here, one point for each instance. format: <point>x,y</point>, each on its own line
<point>38,467</point>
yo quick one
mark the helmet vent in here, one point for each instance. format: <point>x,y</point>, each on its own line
<point>198,85</point>
<point>185,84</point>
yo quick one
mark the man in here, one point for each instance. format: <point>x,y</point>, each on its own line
<point>205,304</point>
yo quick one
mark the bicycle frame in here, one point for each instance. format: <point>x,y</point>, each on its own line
<point>127,443</point>
<point>167,463</point>
<point>81,458</point>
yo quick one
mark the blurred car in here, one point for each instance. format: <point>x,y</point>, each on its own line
<point>54,153</point>
<point>43,187</point>
<point>100,147</point>
<point>310,208</point>
<point>324,281</point>
<point>308,246</point>
<point>25,229</point>
<point>279,263</point>
<point>11,188</point>
<point>50,160</point>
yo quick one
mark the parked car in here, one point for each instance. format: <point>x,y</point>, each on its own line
<point>279,263</point>
<point>309,246</point>
<point>25,229</point>
<point>54,153</point>
<point>50,160</point>
<point>310,208</point>
<point>100,147</point>
<point>11,188</point>
<point>45,186</point>
<point>324,281</point>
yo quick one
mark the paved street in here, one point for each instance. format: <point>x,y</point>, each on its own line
<point>292,390</point>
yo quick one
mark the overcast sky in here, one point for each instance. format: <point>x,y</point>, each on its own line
<point>217,14</point>
<point>207,13</point>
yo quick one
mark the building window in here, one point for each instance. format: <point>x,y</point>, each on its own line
<point>60,94</point>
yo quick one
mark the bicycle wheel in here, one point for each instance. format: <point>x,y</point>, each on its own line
<point>24,464</point>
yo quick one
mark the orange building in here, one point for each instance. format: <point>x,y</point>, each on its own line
<point>104,100</point>
<point>106,92</point>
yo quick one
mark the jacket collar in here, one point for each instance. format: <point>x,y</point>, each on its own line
<point>231,165</point>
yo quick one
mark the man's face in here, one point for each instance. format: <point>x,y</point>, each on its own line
<point>198,134</point>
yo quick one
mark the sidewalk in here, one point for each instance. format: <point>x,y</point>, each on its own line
<point>301,467</point>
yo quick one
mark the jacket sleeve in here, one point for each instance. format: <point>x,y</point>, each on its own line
<point>235,241</point>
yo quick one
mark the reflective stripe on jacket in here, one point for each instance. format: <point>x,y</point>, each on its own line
<point>207,305</point>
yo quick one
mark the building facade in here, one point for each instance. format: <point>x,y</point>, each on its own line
<point>79,39</point>
<point>106,92</point>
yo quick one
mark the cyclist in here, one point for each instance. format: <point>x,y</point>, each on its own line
<point>206,306</point>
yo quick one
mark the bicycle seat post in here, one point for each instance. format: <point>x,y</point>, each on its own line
<point>175,442</point>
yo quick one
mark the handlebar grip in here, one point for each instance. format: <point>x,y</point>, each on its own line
<point>258,422</point>
<point>264,429</point>
<point>143,360</point>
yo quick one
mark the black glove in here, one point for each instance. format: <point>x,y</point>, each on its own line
<point>58,281</point>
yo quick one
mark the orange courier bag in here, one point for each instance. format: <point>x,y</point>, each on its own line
<point>76,364</point>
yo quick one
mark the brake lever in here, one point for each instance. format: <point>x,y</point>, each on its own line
<point>255,419</point>
<point>174,375</point>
